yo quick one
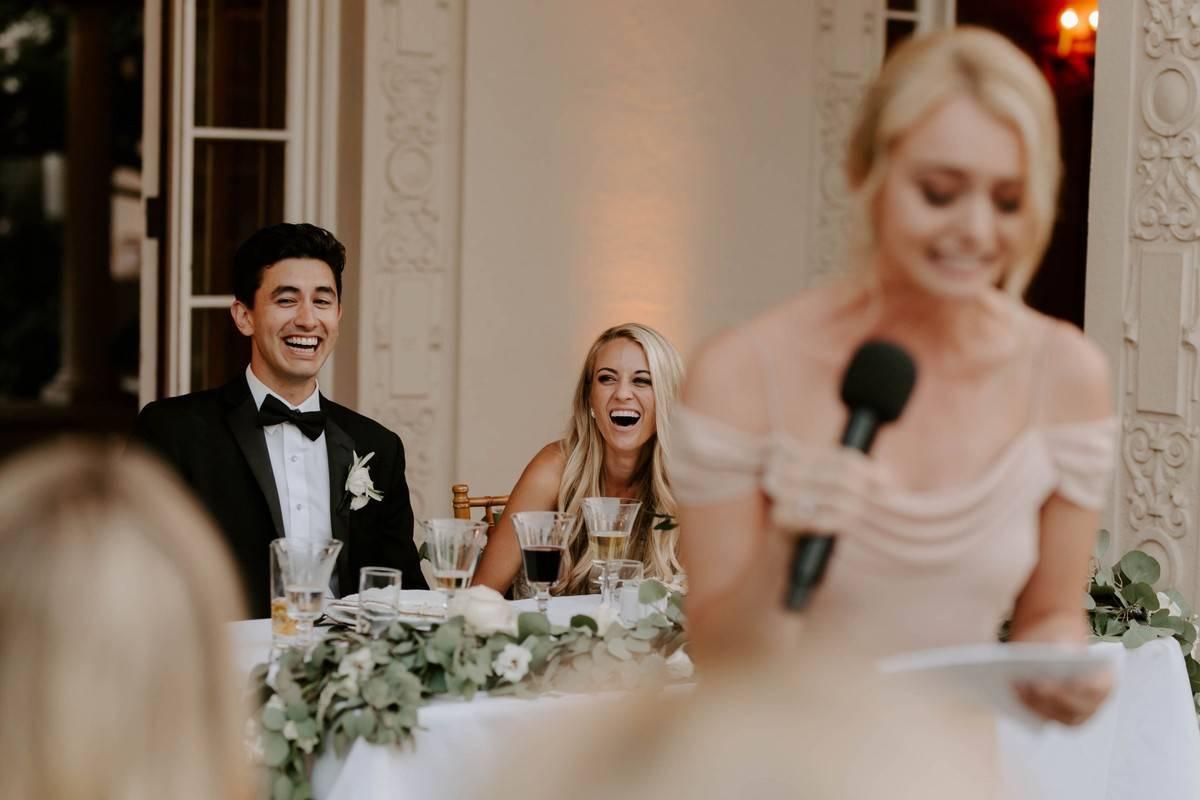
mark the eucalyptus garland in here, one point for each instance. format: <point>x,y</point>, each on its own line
<point>350,686</point>
<point>1123,606</point>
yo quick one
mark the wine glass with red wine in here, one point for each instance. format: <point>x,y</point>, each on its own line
<point>543,536</point>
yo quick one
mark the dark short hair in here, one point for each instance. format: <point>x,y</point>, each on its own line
<point>273,244</point>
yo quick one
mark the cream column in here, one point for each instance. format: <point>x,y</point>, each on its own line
<point>1142,289</point>
<point>408,234</point>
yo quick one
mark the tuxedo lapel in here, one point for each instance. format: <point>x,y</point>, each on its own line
<point>243,421</point>
<point>341,456</point>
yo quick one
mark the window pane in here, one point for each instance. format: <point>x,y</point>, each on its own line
<point>238,189</point>
<point>219,352</point>
<point>241,63</point>
<point>897,31</point>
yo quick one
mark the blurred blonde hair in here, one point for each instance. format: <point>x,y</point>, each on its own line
<point>928,70</point>
<point>584,450</point>
<point>116,678</point>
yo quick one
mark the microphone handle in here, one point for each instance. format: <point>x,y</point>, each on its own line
<point>813,551</point>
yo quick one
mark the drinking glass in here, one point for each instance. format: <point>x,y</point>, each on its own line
<point>283,627</point>
<point>378,599</point>
<point>609,523</point>
<point>543,536</point>
<point>306,568</point>
<point>626,577</point>
<point>454,547</point>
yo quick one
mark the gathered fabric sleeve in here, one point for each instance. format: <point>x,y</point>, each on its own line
<point>1084,456</point>
<point>712,461</point>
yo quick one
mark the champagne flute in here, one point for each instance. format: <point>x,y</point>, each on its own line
<point>306,568</point>
<point>454,548</point>
<point>610,523</point>
<point>543,538</point>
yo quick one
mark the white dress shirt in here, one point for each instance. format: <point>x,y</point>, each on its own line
<point>301,469</point>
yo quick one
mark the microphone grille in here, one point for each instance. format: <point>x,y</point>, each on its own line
<point>880,377</point>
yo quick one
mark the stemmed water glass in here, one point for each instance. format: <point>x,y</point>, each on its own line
<point>306,568</point>
<point>543,537</point>
<point>610,524</point>
<point>378,599</point>
<point>454,547</point>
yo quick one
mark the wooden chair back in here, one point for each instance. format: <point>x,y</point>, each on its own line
<point>462,503</point>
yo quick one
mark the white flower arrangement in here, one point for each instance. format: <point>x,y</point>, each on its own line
<point>359,484</point>
<point>485,611</point>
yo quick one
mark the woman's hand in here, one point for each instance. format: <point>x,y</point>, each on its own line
<point>821,487</point>
<point>1071,702</point>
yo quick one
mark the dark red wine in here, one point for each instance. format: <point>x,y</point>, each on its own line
<point>542,563</point>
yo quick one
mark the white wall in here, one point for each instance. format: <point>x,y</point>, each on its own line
<point>623,161</point>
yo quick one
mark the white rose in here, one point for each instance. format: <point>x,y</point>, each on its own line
<point>512,663</point>
<point>359,482</point>
<point>485,610</point>
<point>679,665</point>
<point>356,667</point>
<point>604,615</point>
<point>1165,602</point>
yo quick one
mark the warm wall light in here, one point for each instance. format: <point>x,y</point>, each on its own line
<point>1073,35</point>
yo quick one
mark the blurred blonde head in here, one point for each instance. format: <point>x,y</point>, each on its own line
<point>116,678</point>
<point>927,71</point>
<point>584,449</point>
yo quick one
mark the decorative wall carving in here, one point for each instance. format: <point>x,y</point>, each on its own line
<point>410,184</point>
<point>848,47</point>
<point>1158,480</point>
<point>1158,459</point>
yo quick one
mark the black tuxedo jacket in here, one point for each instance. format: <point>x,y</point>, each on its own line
<point>213,440</point>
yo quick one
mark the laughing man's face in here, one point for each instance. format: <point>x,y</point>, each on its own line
<point>293,325</point>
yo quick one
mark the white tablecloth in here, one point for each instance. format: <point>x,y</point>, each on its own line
<point>1144,743</point>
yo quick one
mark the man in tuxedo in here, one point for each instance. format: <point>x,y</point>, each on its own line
<point>267,454</point>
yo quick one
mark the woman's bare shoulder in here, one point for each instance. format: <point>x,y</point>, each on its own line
<point>728,373</point>
<point>1076,374</point>
<point>544,471</point>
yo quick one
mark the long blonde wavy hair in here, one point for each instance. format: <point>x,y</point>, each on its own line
<point>583,448</point>
<point>116,676</point>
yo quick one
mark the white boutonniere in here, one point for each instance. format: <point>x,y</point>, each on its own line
<point>358,483</point>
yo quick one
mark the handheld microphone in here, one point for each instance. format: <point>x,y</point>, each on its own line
<point>875,389</point>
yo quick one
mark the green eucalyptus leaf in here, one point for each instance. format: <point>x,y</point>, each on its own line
<point>1103,538</point>
<point>1089,603</point>
<point>1115,628</point>
<point>1104,576</point>
<point>273,719</point>
<point>297,711</point>
<point>617,648</point>
<point>584,621</point>
<point>306,728</point>
<point>1138,635</point>
<point>1141,594</point>
<point>275,748</point>
<point>637,646</point>
<point>531,623</point>
<point>1139,567</point>
<point>651,591</point>
<point>376,692</point>
<point>281,787</point>
<point>1185,608</point>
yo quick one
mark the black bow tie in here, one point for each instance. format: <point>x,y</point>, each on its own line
<point>274,412</point>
